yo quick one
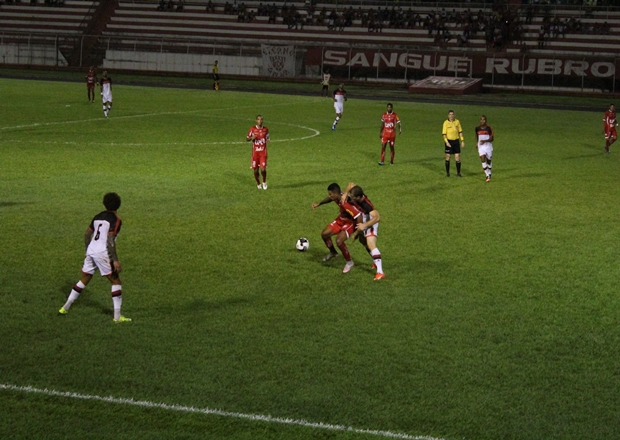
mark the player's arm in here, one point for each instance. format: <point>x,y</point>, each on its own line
<point>400,129</point>
<point>250,136</point>
<point>345,194</point>
<point>322,202</point>
<point>358,229</point>
<point>111,246</point>
<point>444,132</point>
<point>491,135</point>
<point>461,136</point>
<point>374,219</point>
<point>381,129</point>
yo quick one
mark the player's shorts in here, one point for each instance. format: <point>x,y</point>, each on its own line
<point>611,133</point>
<point>106,97</point>
<point>389,139</point>
<point>339,107</point>
<point>373,231</point>
<point>216,77</point>
<point>339,225</point>
<point>486,149</point>
<point>259,159</point>
<point>90,86</point>
<point>97,261</point>
<point>454,148</point>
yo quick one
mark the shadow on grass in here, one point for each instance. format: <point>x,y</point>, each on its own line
<point>302,184</point>
<point>85,299</point>
<point>8,204</point>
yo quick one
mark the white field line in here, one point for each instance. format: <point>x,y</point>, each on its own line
<point>43,124</point>
<point>216,412</point>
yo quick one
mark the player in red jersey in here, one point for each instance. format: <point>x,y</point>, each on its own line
<point>484,139</point>
<point>368,230</point>
<point>100,240</point>
<point>609,127</point>
<point>342,227</point>
<point>91,82</point>
<point>259,135</point>
<point>388,132</point>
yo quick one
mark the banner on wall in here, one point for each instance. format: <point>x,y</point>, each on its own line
<point>476,64</point>
<point>278,61</point>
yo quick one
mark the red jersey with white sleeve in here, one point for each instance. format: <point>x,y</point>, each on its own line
<point>259,145</point>
<point>610,124</point>
<point>389,121</point>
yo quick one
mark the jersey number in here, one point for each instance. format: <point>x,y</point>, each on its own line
<point>98,233</point>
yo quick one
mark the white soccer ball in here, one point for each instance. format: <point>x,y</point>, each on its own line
<point>302,244</point>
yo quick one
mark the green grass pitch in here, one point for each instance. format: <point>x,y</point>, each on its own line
<point>498,318</point>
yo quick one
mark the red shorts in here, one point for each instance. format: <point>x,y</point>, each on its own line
<point>388,139</point>
<point>342,225</point>
<point>90,86</point>
<point>259,159</point>
<point>611,132</point>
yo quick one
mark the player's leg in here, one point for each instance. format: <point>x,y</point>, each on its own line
<point>255,165</point>
<point>392,152</point>
<point>341,239</point>
<point>612,139</point>
<point>457,159</point>
<point>483,161</point>
<point>117,297</point>
<point>263,171</point>
<point>326,235</point>
<point>447,164</point>
<point>338,116</point>
<point>376,255</point>
<point>383,145</point>
<point>88,269</point>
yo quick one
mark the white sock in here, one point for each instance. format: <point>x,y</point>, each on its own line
<point>376,255</point>
<point>74,295</point>
<point>117,300</point>
<point>337,119</point>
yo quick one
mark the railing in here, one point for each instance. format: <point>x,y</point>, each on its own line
<point>358,63</point>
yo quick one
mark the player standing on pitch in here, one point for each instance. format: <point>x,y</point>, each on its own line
<point>91,82</point>
<point>387,134</point>
<point>100,240</point>
<point>609,127</point>
<point>106,93</point>
<point>484,139</point>
<point>325,83</point>
<point>259,135</point>
<point>452,132</point>
<point>343,226</point>
<point>340,96</point>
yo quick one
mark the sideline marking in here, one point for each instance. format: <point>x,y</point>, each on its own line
<point>217,412</point>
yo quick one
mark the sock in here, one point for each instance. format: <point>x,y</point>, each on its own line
<point>345,251</point>
<point>383,155</point>
<point>392,154</point>
<point>337,119</point>
<point>447,167</point>
<point>117,300</point>
<point>109,108</point>
<point>376,255</point>
<point>330,245</point>
<point>264,173</point>
<point>75,292</point>
<point>257,178</point>
<point>489,167</point>
<point>458,167</point>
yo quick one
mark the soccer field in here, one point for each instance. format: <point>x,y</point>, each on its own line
<point>498,318</point>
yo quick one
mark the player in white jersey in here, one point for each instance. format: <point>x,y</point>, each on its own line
<point>106,93</point>
<point>325,82</point>
<point>340,96</point>
<point>100,240</point>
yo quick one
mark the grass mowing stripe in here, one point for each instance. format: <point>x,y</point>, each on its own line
<point>209,411</point>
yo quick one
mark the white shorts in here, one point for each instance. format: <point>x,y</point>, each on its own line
<point>339,107</point>
<point>106,97</point>
<point>373,231</point>
<point>97,261</point>
<point>486,149</point>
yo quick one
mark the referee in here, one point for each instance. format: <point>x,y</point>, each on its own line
<point>452,133</point>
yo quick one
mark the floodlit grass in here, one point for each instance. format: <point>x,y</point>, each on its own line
<point>498,318</point>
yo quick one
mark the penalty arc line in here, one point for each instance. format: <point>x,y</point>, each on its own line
<point>216,412</point>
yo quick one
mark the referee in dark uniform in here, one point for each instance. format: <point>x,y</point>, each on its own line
<point>452,134</point>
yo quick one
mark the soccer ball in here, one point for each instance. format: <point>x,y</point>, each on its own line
<point>302,244</point>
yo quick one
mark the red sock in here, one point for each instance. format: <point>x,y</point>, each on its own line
<point>345,251</point>
<point>330,245</point>
<point>392,153</point>
<point>264,173</point>
<point>382,155</point>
